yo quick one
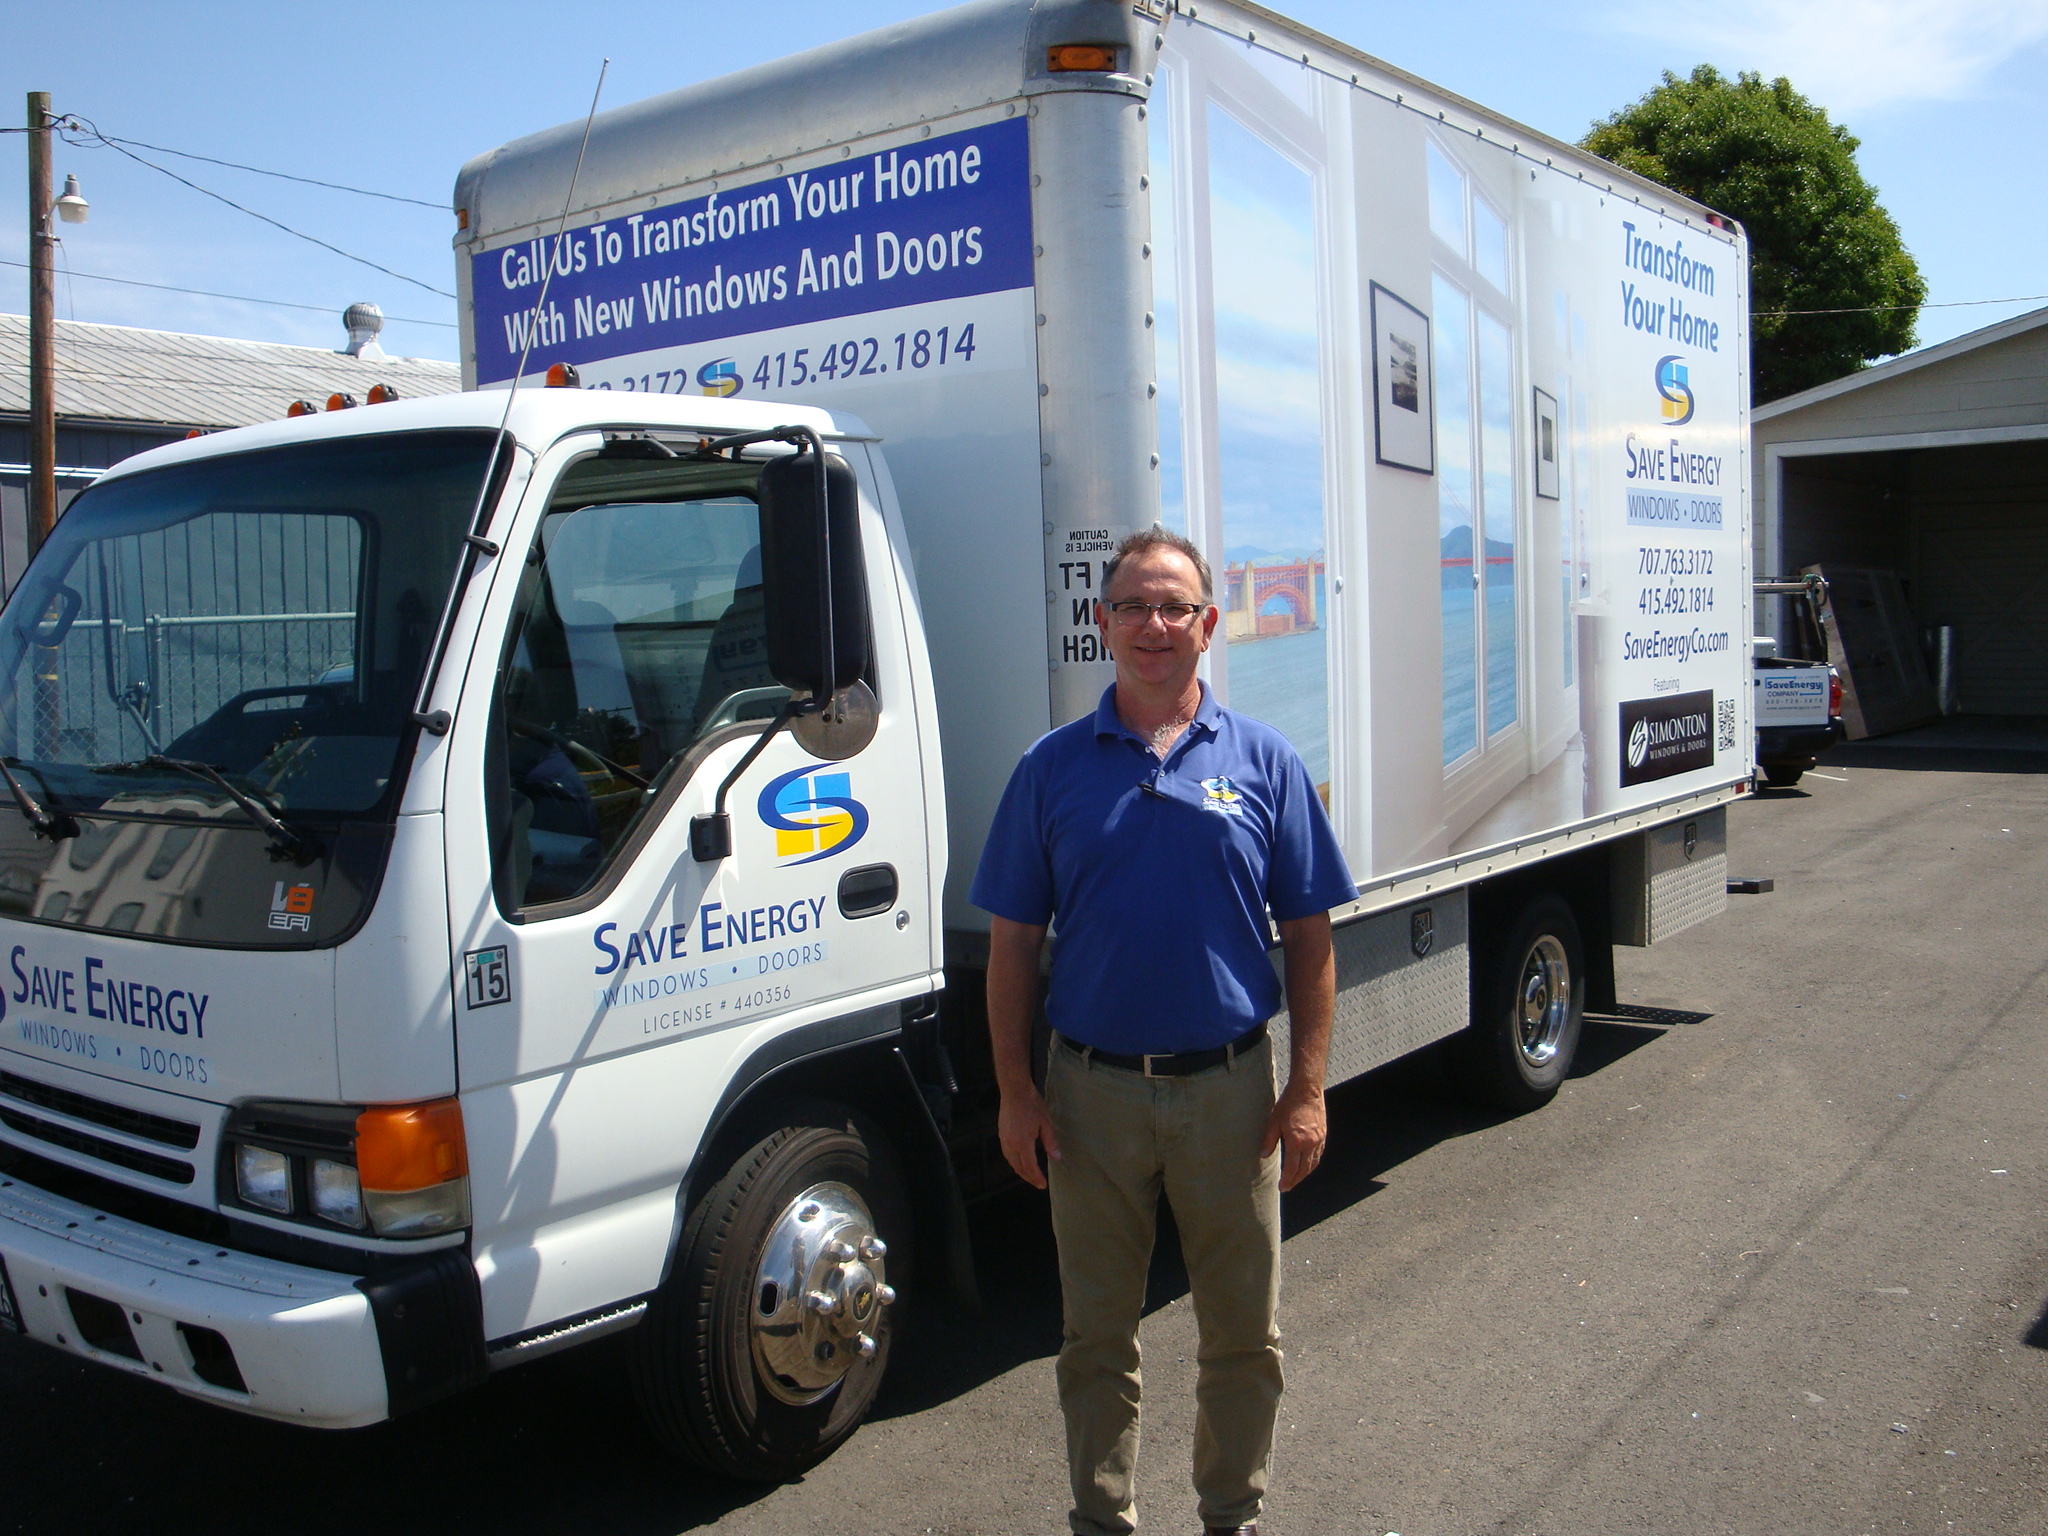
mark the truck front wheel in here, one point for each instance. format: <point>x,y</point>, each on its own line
<point>767,1343</point>
<point>1528,1001</point>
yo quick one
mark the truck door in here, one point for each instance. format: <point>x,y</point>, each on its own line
<point>608,983</point>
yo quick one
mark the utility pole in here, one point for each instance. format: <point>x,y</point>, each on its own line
<point>42,326</point>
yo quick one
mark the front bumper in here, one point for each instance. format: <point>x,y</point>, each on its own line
<point>302,1343</point>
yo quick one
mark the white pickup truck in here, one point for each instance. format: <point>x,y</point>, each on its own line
<point>1798,699</point>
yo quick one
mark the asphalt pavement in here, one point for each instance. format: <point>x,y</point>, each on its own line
<point>1775,1261</point>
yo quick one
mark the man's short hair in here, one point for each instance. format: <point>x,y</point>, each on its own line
<point>1158,537</point>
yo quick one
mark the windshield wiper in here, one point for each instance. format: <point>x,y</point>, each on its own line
<point>51,821</point>
<point>286,841</point>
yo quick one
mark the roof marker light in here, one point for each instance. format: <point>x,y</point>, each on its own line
<point>303,408</point>
<point>381,394</point>
<point>1072,58</point>
<point>564,376</point>
<point>342,401</point>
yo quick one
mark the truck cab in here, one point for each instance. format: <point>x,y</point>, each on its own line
<point>371,1014</point>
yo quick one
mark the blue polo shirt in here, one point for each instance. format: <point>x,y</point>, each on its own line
<point>1157,877</point>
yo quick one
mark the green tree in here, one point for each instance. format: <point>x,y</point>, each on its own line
<point>1818,240</point>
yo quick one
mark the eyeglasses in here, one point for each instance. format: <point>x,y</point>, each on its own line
<point>1173,615</point>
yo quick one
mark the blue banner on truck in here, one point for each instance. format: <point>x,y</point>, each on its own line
<point>937,218</point>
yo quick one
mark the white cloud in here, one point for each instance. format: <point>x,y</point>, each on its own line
<point>1857,55</point>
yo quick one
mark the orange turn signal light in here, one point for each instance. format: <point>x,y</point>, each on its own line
<point>411,1146</point>
<point>303,408</point>
<point>1072,58</point>
<point>564,376</point>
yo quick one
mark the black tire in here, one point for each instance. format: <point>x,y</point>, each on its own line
<point>701,1389</point>
<point>1526,1016</point>
<point>1780,777</point>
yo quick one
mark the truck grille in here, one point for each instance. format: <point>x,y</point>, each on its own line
<point>168,1169</point>
<point>115,1117</point>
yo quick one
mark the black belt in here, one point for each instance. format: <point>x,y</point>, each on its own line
<point>1174,1064</point>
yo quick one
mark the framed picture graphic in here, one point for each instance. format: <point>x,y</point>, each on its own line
<point>1404,393</point>
<point>1547,447</point>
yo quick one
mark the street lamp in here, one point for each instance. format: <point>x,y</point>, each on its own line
<point>72,206</point>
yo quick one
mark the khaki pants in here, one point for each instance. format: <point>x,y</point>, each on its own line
<point>1124,1137</point>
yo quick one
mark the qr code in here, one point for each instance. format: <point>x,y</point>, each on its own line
<point>1724,725</point>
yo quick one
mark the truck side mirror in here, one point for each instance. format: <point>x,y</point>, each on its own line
<point>797,591</point>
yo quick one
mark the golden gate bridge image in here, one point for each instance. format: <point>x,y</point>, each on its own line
<point>1261,601</point>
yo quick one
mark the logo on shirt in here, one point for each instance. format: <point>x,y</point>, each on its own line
<point>812,814</point>
<point>1223,796</point>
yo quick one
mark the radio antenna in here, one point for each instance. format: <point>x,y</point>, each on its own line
<point>554,253</point>
<point>438,721</point>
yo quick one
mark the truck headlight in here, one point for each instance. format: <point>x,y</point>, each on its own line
<point>414,1165</point>
<point>336,1193</point>
<point>391,1170</point>
<point>263,1178</point>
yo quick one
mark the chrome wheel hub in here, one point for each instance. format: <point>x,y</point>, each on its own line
<point>1543,1003</point>
<point>820,1289</point>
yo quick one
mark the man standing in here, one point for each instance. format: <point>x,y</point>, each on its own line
<point>1157,835</point>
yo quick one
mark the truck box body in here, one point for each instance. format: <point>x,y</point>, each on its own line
<point>1456,411</point>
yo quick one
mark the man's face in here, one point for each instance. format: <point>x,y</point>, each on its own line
<point>1154,653</point>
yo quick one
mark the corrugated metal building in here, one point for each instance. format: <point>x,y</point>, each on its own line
<point>1933,465</point>
<point>121,390</point>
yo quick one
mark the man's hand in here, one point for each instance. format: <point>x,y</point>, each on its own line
<point>1024,1126</point>
<point>1299,1126</point>
<point>1299,1120</point>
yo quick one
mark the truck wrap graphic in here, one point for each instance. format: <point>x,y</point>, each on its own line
<point>940,218</point>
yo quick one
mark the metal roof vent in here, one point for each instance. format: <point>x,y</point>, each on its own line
<point>364,321</point>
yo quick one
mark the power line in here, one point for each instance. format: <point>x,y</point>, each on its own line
<point>332,186</point>
<point>235,165</point>
<point>84,126</point>
<point>1875,309</point>
<point>239,298</point>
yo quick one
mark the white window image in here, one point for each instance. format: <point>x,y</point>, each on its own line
<point>1476,467</point>
<point>1239,178</point>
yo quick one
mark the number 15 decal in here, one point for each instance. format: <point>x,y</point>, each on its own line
<point>486,977</point>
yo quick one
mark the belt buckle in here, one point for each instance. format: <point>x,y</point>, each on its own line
<point>1149,1058</point>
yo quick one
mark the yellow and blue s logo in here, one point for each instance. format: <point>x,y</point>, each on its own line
<point>1674,390</point>
<point>812,814</point>
<point>719,378</point>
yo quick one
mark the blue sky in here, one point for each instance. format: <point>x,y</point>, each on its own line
<point>1945,95</point>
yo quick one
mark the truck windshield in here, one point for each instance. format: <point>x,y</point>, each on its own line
<point>265,614</point>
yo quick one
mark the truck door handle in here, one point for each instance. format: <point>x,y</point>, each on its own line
<point>868,890</point>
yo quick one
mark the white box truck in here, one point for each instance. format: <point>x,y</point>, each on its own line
<point>477,875</point>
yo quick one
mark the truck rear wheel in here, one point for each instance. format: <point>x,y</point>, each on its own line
<point>766,1345</point>
<point>1528,1001</point>
<point>1782,775</point>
